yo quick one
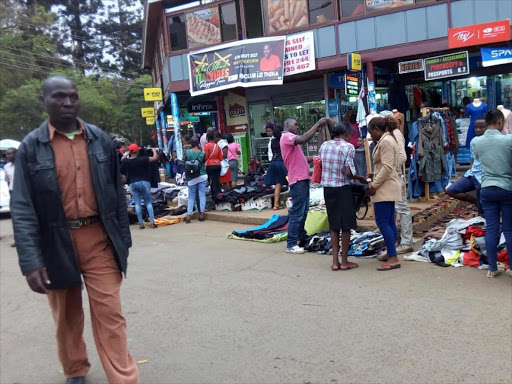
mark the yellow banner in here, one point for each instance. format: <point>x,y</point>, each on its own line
<point>147,112</point>
<point>150,120</point>
<point>152,94</point>
<point>354,62</point>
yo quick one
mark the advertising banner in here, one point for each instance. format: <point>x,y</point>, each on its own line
<point>299,53</point>
<point>202,106</point>
<point>410,66</point>
<point>479,34</point>
<point>203,27</point>
<point>379,5</point>
<point>152,94</point>
<point>176,119</point>
<point>236,113</point>
<point>439,67</point>
<point>372,100</point>
<point>496,56</point>
<point>150,120</point>
<point>354,62</point>
<point>286,14</point>
<point>352,85</point>
<point>244,63</point>
<point>147,112</point>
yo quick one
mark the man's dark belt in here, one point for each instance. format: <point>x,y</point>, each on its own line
<point>77,224</point>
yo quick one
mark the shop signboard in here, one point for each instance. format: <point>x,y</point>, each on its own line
<point>299,53</point>
<point>479,34</point>
<point>380,5</point>
<point>152,94</point>
<point>150,120</point>
<point>351,85</point>
<point>236,113</point>
<point>381,81</point>
<point>496,56</point>
<point>332,107</point>
<point>410,66</point>
<point>202,106</point>
<point>147,112</point>
<point>454,64</point>
<point>337,80</point>
<point>244,63</point>
<point>354,62</point>
<point>203,28</point>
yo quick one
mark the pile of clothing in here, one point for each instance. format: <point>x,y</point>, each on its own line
<point>273,231</point>
<point>242,194</point>
<point>462,243</point>
<point>362,244</point>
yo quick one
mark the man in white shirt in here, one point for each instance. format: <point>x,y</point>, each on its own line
<point>9,174</point>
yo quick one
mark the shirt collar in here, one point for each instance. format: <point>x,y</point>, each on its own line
<point>52,130</point>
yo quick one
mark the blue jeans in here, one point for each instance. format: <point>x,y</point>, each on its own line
<point>497,202</point>
<point>193,191</point>
<point>386,221</point>
<point>298,213</point>
<point>142,190</point>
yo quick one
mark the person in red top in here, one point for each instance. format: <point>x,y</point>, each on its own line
<point>213,156</point>
<point>269,62</point>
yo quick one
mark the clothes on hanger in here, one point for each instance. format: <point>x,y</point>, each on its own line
<point>474,112</point>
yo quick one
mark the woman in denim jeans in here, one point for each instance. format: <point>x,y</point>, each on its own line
<point>137,173</point>
<point>494,150</point>
<point>196,186</point>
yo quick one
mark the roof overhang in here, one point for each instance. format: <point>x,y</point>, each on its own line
<point>153,10</point>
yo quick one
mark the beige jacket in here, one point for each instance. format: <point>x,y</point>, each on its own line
<point>385,179</point>
<point>402,155</point>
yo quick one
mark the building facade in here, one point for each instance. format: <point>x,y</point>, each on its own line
<point>412,52</point>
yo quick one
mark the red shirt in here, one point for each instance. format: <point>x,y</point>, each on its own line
<point>270,64</point>
<point>212,154</point>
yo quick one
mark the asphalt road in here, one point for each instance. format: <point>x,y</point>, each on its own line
<point>202,309</point>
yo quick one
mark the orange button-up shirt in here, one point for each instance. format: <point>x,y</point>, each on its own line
<point>73,173</point>
<point>270,64</point>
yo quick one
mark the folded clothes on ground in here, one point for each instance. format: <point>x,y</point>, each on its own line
<point>365,244</point>
<point>276,226</point>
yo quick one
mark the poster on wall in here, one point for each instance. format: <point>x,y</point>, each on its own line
<point>379,5</point>
<point>439,67</point>
<point>244,63</point>
<point>299,53</point>
<point>286,14</point>
<point>236,113</point>
<point>203,27</point>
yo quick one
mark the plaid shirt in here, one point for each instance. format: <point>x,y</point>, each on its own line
<point>336,155</point>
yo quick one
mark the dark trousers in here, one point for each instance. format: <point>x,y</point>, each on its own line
<point>213,172</point>
<point>497,202</point>
<point>298,213</point>
<point>385,217</point>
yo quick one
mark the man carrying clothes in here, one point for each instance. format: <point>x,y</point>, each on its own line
<point>70,221</point>
<point>9,175</point>
<point>298,177</point>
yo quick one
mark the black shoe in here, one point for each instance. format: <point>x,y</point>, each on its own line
<point>76,380</point>
<point>154,225</point>
<point>142,226</point>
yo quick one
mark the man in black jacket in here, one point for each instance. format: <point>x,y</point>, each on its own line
<point>70,222</point>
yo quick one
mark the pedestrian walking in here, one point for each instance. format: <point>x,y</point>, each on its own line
<point>337,157</point>
<point>233,152</point>
<point>71,223</point>
<point>385,185</point>
<point>276,173</point>
<point>9,175</point>
<point>195,159</point>
<point>213,155</point>
<point>298,177</point>
<point>494,151</point>
<point>137,172</point>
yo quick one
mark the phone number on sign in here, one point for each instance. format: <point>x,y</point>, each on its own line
<point>299,67</point>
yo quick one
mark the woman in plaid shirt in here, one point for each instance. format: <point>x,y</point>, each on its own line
<point>338,169</point>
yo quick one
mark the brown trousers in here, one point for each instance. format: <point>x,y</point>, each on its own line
<point>103,281</point>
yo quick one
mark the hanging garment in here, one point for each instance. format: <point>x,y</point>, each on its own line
<point>431,149</point>
<point>474,113</point>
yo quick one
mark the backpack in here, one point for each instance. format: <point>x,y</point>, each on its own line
<point>192,167</point>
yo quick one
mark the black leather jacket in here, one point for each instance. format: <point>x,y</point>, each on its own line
<point>41,230</point>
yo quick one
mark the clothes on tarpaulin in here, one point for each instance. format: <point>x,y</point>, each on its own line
<point>275,226</point>
<point>362,244</point>
<point>242,194</point>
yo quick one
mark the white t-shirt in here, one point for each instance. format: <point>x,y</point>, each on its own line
<point>9,174</point>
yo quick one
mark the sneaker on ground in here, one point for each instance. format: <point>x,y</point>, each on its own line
<point>296,250</point>
<point>493,273</point>
<point>509,272</point>
<point>401,250</point>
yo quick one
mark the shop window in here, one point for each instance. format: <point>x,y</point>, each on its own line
<point>320,11</point>
<point>351,8</point>
<point>177,32</point>
<point>229,25</point>
<point>283,15</point>
<point>203,27</point>
<point>253,18</point>
<point>377,6</point>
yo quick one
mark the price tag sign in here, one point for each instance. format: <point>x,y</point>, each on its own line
<point>152,94</point>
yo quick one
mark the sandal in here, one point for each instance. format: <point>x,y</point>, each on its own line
<point>388,267</point>
<point>383,258</point>
<point>277,208</point>
<point>349,265</point>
